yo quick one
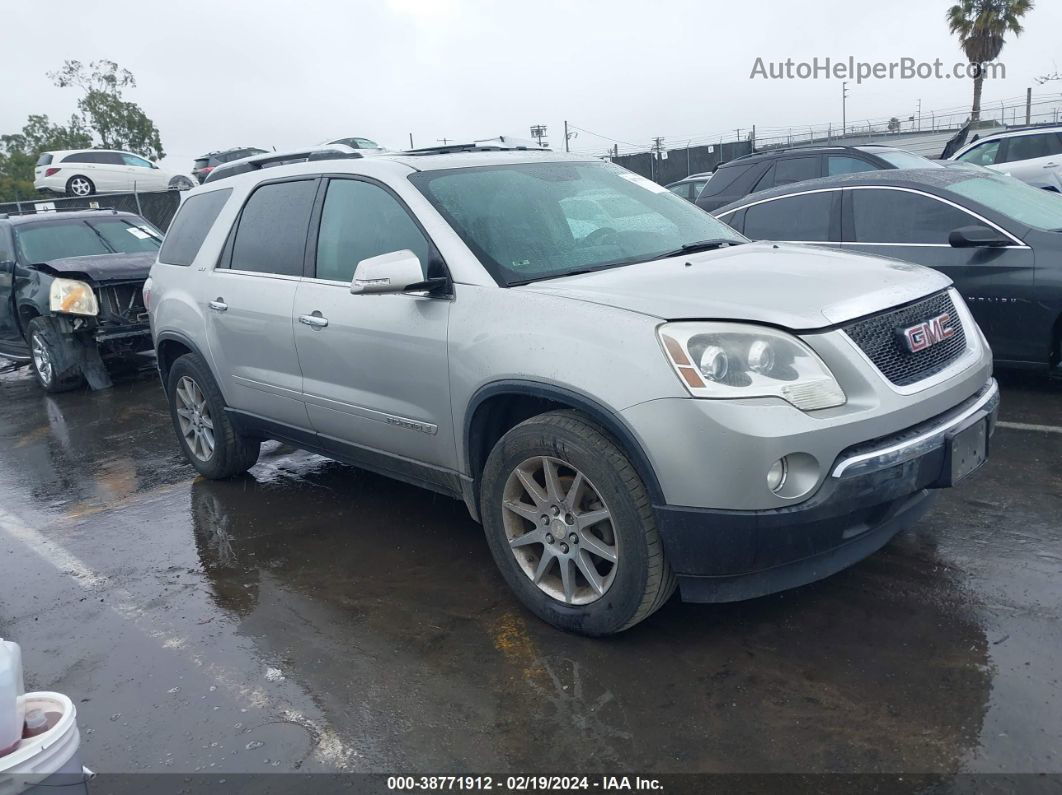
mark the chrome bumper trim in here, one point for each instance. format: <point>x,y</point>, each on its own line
<point>917,446</point>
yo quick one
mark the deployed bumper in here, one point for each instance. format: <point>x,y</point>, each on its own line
<point>874,490</point>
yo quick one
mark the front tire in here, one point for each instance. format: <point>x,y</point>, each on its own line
<point>80,186</point>
<point>54,360</point>
<point>204,431</point>
<point>569,523</point>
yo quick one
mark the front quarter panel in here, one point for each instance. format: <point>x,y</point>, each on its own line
<point>609,356</point>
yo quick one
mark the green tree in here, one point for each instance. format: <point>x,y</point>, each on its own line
<point>19,151</point>
<point>981,26</point>
<point>894,125</point>
<point>118,124</point>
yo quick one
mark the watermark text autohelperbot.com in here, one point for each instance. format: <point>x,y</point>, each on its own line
<point>851,69</point>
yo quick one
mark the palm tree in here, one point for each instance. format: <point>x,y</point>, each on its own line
<point>980,26</point>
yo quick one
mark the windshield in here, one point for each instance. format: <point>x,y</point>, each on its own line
<point>901,159</point>
<point>542,220</point>
<point>1035,207</point>
<point>48,241</point>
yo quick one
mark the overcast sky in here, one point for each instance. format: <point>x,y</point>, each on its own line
<point>269,73</point>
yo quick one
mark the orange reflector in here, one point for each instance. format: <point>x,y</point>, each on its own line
<point>691,377</point>
<point>674,350</point>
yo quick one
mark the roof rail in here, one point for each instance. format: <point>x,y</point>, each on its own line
<point>499,144</point>
<point>255,162</point>
<point>1019,128</point>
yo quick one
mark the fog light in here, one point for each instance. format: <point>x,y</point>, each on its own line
<point>776,475</point>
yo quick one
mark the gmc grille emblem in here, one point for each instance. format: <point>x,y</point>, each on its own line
<point>928,333</point>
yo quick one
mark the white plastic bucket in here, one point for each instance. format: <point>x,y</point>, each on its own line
<point>49,762</point>
<point>12,704</point>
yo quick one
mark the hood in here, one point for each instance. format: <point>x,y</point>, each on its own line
<point>104,267</point>
<point>794,286</point>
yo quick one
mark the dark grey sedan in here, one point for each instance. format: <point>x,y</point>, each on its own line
<point>998,239</point>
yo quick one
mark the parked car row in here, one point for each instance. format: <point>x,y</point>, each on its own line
<point>629,447</point>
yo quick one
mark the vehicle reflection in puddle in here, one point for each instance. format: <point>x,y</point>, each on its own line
<point>376,592</point>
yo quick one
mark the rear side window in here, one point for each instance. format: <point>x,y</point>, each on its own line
<point>1027,147</point>
<point>362,220</point>
<point>896,216</point>
<point>81,157</point>
<point>189,229</point>
<point>803,218</point>
<point>44,160</point>
<point>795,169</point>
<point>271,235</point>
<point>723,178</point>
<point>842,164</point>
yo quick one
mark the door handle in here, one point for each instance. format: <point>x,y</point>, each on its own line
<point>315,320</point>
<point>219,305</point>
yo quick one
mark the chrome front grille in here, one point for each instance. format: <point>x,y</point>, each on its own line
<point>881,338</point>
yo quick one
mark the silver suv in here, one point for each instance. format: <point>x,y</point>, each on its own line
<point>626,393</point>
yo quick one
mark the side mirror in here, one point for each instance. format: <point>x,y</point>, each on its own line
<point>396,272</point>
<point>977,237</point>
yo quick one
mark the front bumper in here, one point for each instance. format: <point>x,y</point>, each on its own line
<point>874,491</point>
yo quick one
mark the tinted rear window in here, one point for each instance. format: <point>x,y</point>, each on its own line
<point>190,226</point>
<point>44,160</point>
<point>723,178</point>
<point>803,218</point>
<point>271,236</point>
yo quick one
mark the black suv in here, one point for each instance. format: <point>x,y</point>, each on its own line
<point>71,292</point>
<point>204,164</point>
<point>762,170</point>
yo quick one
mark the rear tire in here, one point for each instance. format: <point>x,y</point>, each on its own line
<point>204,431</point>
<point>54,358</point>
<point>80,186</point>
<point>608,525</point>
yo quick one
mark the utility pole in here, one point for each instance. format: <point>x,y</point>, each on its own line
<point>443,141</point>
<point>844,108</point>
<point>566,136</point>
<point>411,140</point>
<point>919,115</point>
<point>1028,106</point>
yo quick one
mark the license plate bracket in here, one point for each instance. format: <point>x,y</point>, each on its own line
<point>966,451</point>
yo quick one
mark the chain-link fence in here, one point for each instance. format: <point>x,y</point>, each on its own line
<point>157,207</point>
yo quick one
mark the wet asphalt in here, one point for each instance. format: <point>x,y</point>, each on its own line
<point>314,617</point>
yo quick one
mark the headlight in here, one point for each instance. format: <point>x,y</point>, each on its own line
<point>734,360</point>
<point>73,298</point>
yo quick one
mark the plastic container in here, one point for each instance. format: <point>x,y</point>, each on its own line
<point>49,763</point>
<point>12,708</point>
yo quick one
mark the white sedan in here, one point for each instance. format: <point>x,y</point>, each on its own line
<point>83,172</point>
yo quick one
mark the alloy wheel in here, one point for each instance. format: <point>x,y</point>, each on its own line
<point>560,530</point>
<point>80,186</point>
<point>42,359</point>
<point>193,415</point>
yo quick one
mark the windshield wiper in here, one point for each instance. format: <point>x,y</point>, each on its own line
<point>701,245</point>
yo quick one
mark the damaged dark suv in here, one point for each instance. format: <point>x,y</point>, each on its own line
<point>71,292</point>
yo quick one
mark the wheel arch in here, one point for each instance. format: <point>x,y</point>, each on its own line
<point>25,313</point>
<point>170,346</point>
<point>497,407</point>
